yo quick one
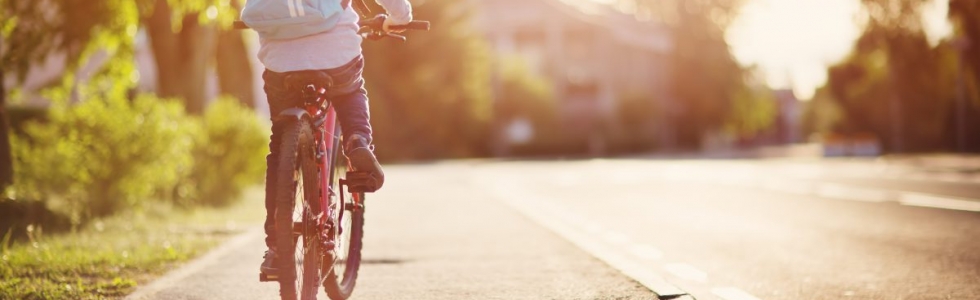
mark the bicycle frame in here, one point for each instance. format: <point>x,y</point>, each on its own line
<point>325,141</point>
<point>325,145</point>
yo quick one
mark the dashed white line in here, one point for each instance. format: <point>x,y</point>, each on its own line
<point>534,210</point>
<point>593,227</point>
<point>730,293</point>
<point>791,187</point>
<point>837,191</point>
<point>646,252</point>
<point>686,271</point>
<point>844,192</point>
<point>616,238</point>
<point>924,200</point>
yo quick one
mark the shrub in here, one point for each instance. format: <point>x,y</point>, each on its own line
<point>228,157</point>
<point>102,155</point>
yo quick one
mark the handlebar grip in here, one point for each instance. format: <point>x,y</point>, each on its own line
<point>413,25</point>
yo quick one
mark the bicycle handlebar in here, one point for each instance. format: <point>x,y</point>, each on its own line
<point>372,28</point>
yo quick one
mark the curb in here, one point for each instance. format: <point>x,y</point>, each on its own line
<point>174,276</point>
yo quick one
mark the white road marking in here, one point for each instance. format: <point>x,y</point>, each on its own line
<point>587,242</point>
<point>845,192</point>
<point>926,200</point>
<point>646,252</point>
<point>730,293</point>
<point>616,238</point>
<point>593,227</point>
<point>838,191</point>
<point>791,187</point>
<point>623,178</point>
<point>686,271</point>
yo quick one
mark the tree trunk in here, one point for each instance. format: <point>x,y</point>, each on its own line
<point>182,57</point>
<point>6,157</point>
<point>234,70</point>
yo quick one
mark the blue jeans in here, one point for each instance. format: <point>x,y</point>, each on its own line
<point>349,99</point>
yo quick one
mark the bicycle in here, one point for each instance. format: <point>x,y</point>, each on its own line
<point>325,221</point>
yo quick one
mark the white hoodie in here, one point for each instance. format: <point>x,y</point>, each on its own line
<point>330,49</point>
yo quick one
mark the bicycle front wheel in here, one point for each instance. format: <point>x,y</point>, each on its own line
<point>297,238</point>
<point>341,274</point>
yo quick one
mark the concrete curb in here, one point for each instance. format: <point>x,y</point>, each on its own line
<point>174,276</point>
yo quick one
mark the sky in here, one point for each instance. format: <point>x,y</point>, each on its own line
<point>792,42</point>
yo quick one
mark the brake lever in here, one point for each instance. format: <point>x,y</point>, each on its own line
<point>372,35</point>
<point>396,36</point>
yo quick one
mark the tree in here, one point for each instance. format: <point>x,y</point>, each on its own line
<point>182,51</point>
<point>6,157</point>
<point>430,97</point>
<point>965,14</point>
<point>183,35</point>
<point>32,30</point>
<point>894,84</point>
<point>186,37</point>
<point>232,64</point>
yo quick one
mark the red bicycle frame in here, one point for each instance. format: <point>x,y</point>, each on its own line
<point>325,146</point>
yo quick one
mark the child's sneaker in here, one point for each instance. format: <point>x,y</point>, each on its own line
<point>362,159</point>
<point>269,263</point>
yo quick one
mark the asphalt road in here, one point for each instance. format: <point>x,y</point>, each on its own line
<point>633,229</point>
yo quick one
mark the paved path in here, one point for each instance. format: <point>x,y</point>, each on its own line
<point>431,235</point>
<point>617,229</point>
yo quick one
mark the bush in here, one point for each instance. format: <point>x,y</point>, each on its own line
<point>103,155</point>
<point>228,157</point>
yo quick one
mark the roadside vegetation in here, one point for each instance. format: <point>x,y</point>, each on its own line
<point>110,257</point>
<point>112,191</point>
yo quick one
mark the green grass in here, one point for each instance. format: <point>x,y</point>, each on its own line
<point>110,258</point>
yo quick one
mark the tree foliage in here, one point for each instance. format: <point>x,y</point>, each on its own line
<point>102,155</point>
<point>182,34</point>
<point>894,84</point>
<point>32,32</point>
<point>430,97</point>
<point>965,15</point>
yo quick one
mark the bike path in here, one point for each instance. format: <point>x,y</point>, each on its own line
<point>429,235</point>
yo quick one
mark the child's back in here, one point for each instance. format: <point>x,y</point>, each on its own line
<point>296,36</point>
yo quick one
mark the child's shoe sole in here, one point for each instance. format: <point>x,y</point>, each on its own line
<point>362,160</point>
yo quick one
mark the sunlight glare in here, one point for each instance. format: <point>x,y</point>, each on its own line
<point>793,42</point>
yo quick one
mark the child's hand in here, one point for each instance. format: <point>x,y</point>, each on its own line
<point>389,22</point>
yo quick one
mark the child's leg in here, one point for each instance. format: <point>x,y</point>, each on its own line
<point>350,99</point>
<point>351,103</point>
<point>279,100</point>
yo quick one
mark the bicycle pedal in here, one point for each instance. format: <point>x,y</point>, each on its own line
<point>359,182</point>
<point>263,277</point>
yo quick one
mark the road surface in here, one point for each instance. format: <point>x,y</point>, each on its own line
<point>646,229</point>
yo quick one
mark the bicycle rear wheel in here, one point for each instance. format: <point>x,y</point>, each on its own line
<point>297,237</point>
<point>341,274</point>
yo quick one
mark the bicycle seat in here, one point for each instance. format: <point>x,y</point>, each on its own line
<point>298,80</point>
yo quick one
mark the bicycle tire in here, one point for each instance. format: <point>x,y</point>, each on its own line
<point>341,286</point>
<point>297,190</point>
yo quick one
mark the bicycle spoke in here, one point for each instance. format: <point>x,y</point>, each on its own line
<point>298,211</point>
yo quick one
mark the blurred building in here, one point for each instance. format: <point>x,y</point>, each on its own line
<point>594,56</point>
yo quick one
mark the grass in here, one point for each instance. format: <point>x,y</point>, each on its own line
<point>108,259</point>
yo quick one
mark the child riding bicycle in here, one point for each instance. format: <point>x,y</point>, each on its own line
<point>297,35</point>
